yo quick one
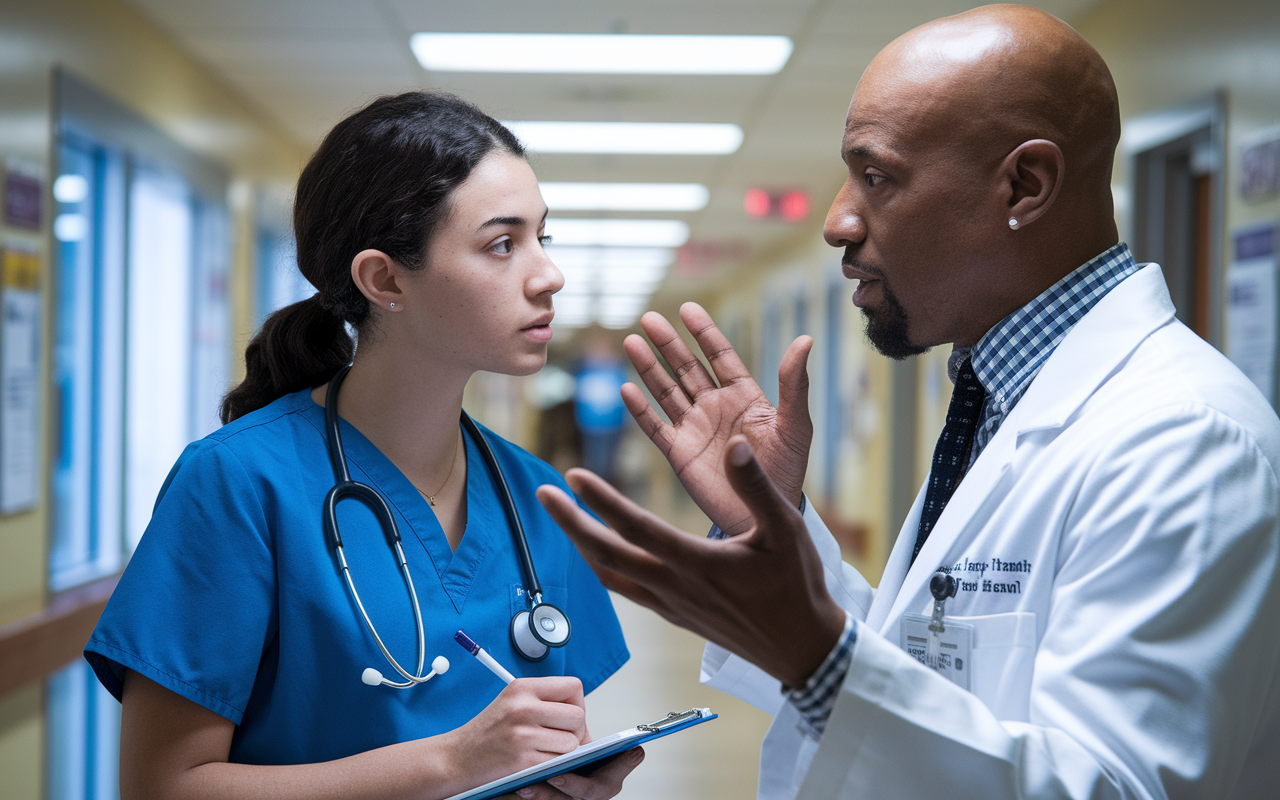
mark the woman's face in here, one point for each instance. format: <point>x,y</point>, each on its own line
<point>483,302</point>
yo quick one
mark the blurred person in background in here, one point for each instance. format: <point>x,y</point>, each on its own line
<point>598,410</point>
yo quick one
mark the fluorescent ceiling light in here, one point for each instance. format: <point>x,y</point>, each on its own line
<point>635,54</point>
<point>619,232</point>
<point>623,304</point>
<point>630,258</point>
<point>70,227</point>
<point>665,138</point>
<point>70,188</point>
<point>624,196</point>
<point>610,286</point>
<point>575,305</point>
<point>623,284</point>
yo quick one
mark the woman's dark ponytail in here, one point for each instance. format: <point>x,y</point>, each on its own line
<point>298,347</point>
<point>381,180</point>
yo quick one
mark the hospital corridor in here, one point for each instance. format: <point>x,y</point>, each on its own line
<point>171,168</point>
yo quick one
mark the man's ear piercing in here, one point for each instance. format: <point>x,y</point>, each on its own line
<point>393,305</point>
<point>1013,223</point>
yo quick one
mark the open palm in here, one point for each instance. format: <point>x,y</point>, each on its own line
<point>705,412</point>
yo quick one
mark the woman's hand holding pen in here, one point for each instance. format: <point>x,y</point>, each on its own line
<point>601,783</point>
<point>530,721</point>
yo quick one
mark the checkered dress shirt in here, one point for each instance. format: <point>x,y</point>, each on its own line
<point>1006,360</point>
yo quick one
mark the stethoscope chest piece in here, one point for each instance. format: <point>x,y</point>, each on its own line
<point>535,631</point>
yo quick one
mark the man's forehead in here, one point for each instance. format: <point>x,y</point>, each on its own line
<point>878,130</point>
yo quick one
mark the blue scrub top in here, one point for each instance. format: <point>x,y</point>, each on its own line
<point>234,599</point>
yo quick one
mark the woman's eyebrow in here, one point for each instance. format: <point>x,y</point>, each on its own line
<point>513,221</point>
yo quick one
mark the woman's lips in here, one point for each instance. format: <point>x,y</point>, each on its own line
<point>539,333</point>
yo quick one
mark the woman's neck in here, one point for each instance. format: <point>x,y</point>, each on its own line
<point>410,411</point>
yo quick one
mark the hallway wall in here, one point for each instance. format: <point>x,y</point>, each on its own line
<point>108,44</point>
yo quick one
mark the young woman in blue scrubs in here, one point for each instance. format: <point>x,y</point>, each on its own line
<point>232,640</point>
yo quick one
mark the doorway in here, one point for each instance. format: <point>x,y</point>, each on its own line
<point>1176,159</point>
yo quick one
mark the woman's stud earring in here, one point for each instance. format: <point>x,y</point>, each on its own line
<point>1013,223</point>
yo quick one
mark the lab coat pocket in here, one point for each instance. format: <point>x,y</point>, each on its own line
<point>1004,647</point>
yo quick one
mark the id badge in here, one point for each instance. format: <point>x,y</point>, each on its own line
<point>948,652</point>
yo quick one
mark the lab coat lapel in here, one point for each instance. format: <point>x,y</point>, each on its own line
<point>985,483</point>
<point>895,569</point>
<point>1093,349</point>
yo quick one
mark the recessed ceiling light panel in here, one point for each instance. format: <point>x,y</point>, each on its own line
<point>612,54</point>
<point>665,138</point>
<point>643,259</point>
<point>624,196</point>
<point>618,232</point>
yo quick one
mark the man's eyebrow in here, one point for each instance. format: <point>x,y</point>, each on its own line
<point>513,221</point>
<point>868,152</point>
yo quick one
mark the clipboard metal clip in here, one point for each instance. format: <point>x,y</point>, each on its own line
<point>674,718</point>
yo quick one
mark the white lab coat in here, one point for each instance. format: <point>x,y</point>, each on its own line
<point>1136,654</point>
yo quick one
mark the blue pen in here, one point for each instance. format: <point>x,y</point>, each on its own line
<point>486,659</point>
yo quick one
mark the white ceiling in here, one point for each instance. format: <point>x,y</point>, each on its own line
<point>307,63</point>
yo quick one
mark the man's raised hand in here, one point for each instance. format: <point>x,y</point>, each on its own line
<point>761,594</point>
<point>705,412</point>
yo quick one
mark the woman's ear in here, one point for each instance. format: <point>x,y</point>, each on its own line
<point>1032,175</point>
<point>376,275</point>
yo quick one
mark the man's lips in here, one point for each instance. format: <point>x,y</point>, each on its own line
<point>854,273</point>
<point>862,294</point>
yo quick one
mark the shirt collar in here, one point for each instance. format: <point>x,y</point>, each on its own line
<point>1009,355</point>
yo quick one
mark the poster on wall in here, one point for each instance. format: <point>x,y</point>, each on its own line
<point>23,194</point>
<point>1251,306</point>
<point>19,380</point>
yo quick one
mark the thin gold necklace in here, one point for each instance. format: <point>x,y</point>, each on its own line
<point>431,498</point>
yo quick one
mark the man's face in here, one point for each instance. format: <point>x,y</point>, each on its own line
<point>911,215</point>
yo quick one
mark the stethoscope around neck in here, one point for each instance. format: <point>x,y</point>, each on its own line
<point>534,630</point>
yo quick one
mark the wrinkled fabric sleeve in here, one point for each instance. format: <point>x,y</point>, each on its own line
<point>197,604</point>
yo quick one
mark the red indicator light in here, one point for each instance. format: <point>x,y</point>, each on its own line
<point>791,205</point>
<point>756,203</point>
<point>794,206</point>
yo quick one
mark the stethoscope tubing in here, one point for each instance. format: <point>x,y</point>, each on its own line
<point>417,677</point>
<point>343,487</point>
<point>532,586</point>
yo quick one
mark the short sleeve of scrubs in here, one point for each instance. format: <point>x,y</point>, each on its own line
<point>196,607</point>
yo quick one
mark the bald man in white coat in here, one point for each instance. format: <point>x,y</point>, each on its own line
<point>1107,509</point>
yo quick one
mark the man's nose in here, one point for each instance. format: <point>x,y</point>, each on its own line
<point>844,225</point>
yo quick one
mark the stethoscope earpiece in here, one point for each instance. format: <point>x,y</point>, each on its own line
<point>371,677</point>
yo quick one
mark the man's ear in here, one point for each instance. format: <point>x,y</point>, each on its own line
<point>1032,175</point>
<point>375,275</point>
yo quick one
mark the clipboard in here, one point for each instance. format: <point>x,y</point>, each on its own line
<point>590,753</point>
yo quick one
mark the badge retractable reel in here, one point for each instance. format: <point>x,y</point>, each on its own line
<point>939,643</point>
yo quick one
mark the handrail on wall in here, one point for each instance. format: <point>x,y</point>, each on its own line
<point>38,645</point>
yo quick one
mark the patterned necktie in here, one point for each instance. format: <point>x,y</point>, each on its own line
<point>951,454</point>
